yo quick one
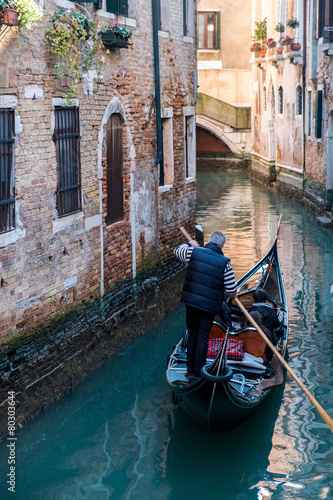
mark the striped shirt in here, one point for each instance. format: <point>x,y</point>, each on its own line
<point>184,253</point>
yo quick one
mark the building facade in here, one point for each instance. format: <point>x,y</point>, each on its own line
<point>292,98</point>
<point>93,191</point>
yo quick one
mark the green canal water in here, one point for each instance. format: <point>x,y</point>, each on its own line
<point>118,434</point>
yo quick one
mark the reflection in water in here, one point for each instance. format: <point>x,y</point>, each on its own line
<point>118,434</point>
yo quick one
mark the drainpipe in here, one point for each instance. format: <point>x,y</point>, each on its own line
<point>304,87</point>
<point>159,158</point>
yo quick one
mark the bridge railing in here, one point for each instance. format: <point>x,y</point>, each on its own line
<point>238,117</point>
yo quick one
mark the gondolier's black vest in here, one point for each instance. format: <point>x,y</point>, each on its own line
<point>204,282</point>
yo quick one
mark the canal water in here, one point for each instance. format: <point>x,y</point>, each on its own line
<point>118,434</point>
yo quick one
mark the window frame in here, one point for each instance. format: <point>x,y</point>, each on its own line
<point>319,125</point>
<point>114,204</point>
<point>280,100</point>
<point>299,101</point>
<point>7,171</point>
<point>309,114</point>
<point>68,160</point>
<point>217,25</point>
<point>117,7</point>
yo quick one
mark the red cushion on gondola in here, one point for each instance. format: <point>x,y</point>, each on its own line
<point>235,349</point>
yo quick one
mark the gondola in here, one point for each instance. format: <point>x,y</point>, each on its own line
<point>229,391</point>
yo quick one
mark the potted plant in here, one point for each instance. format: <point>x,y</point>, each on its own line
<point>280,29</point>
<point>115,36</point>
<point>260,35</point>
<point>75,40</point>
<point>23,13</point>
<point>285,40</point>
<point>255,47</point>
<point>293,23</point>
<point>271,42</point>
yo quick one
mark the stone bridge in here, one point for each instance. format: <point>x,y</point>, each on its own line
<point>222,129</point>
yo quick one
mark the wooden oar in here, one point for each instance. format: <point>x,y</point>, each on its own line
<point>324,415</point>
<point>185,233</point>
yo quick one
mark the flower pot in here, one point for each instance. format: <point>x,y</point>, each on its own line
<point>287,42</point>
<point>295,46</point>
<point>262,51</point>
<point>112,39</point>
<point>10,17</point>
<point>279,49</point>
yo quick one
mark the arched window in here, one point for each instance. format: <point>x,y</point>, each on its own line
<point>280,101</point>
<point>299,100</point>
<point>114,168</point>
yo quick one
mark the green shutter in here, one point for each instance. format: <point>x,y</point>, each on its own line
<point>319,114</point>
<point>218,31</point>
<point>119,7</point>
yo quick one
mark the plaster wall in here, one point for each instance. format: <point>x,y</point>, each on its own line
<point>230,86</point>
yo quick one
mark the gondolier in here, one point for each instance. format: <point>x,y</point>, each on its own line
<point>209,275</point>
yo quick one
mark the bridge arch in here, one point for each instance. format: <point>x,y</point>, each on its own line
<point>228,123</point>
<point>217,131</point>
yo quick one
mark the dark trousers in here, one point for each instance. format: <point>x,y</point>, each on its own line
<point>199,324</point>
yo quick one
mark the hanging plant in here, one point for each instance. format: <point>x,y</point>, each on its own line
<point>28,11</point>
<point>115,36</point>
<point>75,40</point>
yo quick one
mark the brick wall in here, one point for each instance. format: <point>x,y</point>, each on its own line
<point>50,266</point>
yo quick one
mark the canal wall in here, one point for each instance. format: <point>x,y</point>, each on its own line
<point>42,369</point>
<point>292,183</point>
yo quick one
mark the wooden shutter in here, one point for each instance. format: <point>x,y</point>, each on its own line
<point>217,30</point>
<point>114,169</point>
<point>119,7</point>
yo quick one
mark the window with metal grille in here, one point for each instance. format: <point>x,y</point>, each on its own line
<point>114,169</point>
<point>67,139</point>
<point>209,30</point>
<point>280,101</point>
<point>7,174</point>
<point>299,100</point>
<point>118,7</point>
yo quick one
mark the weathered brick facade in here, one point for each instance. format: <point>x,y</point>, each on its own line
<point>52,266</point>
<point>49,252</point>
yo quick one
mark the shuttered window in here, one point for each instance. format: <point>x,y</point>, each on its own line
<point>185,28</point>
<point>209,30</point>
<point>7,141</point>
<point>114,169</point>
<point>319,114</point>
<point>67,140</point>
<point>118,7</point>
